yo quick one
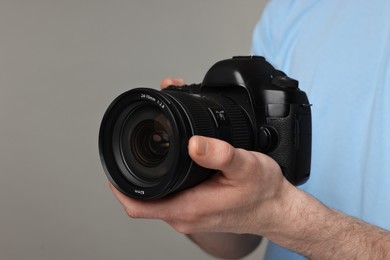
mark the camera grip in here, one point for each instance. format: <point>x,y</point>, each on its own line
<point>293,151</point>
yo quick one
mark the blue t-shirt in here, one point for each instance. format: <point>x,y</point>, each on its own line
<point>339,50</point>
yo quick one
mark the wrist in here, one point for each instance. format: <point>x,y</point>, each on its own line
<point>295,218</point>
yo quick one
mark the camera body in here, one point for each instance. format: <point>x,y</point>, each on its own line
<point>244,101</point>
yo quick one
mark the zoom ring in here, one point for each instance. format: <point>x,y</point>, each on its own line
<point>201,122</point>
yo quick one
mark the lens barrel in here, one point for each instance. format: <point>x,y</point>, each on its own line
<point>144,137</point>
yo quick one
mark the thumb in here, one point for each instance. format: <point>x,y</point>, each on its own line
<point>219,155</point>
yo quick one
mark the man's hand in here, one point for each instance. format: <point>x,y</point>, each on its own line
<point>240,196</point>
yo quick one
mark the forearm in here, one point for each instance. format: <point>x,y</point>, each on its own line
<point>226,245</point>
<point>322,233</point>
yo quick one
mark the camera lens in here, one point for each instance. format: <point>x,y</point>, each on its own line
<point>144,136</point>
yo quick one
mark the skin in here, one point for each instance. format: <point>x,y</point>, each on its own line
<point>249,198</point>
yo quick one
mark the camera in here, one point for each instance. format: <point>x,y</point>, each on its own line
<point>244,100</point>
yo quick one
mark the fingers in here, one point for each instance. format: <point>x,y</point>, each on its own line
<point>205,206</point>
<point>181,212</point>
<point>171,81</point>
<point>220,155</point>
<point>134,208</point>
<point>184,212</point>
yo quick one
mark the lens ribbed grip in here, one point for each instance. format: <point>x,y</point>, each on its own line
<point>240,128</point>
<point>201,121</point>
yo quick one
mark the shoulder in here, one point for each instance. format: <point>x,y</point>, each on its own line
<point>280,21</point>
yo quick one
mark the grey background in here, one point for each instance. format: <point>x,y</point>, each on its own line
<point>61,64</point>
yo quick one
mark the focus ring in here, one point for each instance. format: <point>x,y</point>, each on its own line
<point>201,122</point>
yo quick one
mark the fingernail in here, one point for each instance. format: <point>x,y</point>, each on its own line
<point>201,145</point>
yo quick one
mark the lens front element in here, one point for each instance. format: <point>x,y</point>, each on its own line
<point>150,142</point>
<point>145,142</point>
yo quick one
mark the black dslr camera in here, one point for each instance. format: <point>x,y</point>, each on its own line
<point>244,100</point>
